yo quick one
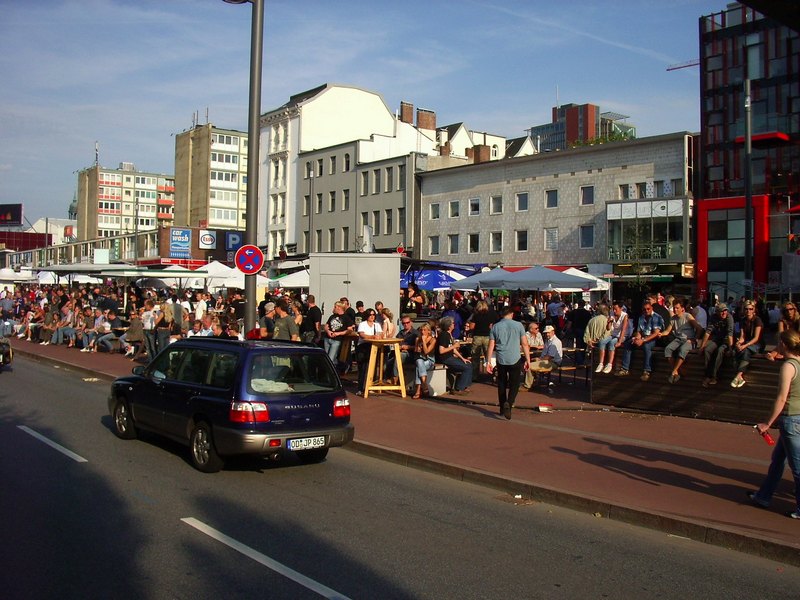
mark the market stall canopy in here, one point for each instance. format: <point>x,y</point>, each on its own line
<point>593,284</point>
<point>431,280</point>
<point>485,280</point>
<point>298,279</point>
<point>532,278</point>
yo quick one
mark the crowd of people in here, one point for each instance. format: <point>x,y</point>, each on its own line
<point>508,337</point>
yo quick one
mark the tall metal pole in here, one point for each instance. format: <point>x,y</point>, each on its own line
<point>251,209</point>
<point>748,190</point>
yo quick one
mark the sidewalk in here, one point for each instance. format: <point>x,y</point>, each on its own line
<point>682,476</point>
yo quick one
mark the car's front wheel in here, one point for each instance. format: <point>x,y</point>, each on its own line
<point>203,453</point>
<point>123,421</point>
<point>312,456</point>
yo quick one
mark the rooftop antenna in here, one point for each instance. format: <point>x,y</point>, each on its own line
<point>206,115</point>
<point>96,154</point>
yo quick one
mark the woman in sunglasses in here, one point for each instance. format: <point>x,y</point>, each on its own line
<point>749,343</point>
<point>790,321</point>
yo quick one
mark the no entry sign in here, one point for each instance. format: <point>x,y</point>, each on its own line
<point>249,259</point>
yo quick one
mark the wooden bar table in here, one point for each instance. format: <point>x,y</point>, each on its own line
<point>375,382</point>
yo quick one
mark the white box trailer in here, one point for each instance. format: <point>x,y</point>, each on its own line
<point>365,277</point>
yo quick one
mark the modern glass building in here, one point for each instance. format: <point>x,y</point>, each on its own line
<point>738,44</point>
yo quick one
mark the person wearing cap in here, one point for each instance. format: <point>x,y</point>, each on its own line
<point>717,342</point>
<point>266,323</point>
<point>508,340</point>
<point>552,352</point>
<point>286,327</point>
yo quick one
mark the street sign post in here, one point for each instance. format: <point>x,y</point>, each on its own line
<point>249,259</point>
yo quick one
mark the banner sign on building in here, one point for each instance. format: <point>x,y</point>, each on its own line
<point>208,240</point>
<point>180,243</point>
<point>10,214</point>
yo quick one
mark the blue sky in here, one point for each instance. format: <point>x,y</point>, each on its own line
<point>130,74</point>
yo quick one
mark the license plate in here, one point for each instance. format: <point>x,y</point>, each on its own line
<point>307,443</point>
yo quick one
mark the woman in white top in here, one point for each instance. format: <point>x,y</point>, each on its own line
<point>368,329</point>
<point>618,325</point>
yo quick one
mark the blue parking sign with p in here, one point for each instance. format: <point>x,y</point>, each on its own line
<point>233,240</point>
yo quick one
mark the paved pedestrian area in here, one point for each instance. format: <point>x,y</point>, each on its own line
<point>685,477</point>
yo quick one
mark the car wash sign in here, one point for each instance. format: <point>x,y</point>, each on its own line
<point>180,243</point>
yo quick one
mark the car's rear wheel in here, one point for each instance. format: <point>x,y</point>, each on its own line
<point>312,456</point>
<point>202,450</point>
<point>123,421</point>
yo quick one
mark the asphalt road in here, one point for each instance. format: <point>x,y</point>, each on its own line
<point>97,517</point>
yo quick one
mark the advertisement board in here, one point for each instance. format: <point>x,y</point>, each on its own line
<point>10,214</point>
<point>180,243</point>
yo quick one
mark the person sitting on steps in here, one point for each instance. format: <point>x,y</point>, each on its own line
<point>684,329</point>
<point>648,329</point>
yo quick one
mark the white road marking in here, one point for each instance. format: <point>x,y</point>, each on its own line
<point>268,562</point>
<point>52,444</point>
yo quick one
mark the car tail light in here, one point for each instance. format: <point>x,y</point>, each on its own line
<point>248,412</point>
<point>341,408</point>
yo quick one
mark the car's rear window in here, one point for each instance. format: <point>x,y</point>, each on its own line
<point>275,373</point>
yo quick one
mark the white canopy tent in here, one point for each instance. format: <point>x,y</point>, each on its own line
<point>298,279</point>
<point>595,284</point>
<point>532,278</point>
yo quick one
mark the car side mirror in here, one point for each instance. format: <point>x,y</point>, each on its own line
<point>138,370</point>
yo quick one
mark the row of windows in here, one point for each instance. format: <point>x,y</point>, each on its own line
<point>108,193</point>
<point>331,204</point>
<point>110,179</point>
<point>551,198</point>
<point>225,176</point>
<point>228,159</point>
<point>389,221</point>
<point>103,205</point>
<point>376,181</point>
<point>228,140</point>
<point>145,194</point>
<point>224,197</point>
<point>223,215</point>
<point>144,180</point>
<point>316,168</point>
<point>496,241</point>
<point>327,240</point>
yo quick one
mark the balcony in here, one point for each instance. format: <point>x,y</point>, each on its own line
<point>670,252</point>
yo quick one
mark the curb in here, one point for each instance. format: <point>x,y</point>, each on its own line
<point>694,530</point>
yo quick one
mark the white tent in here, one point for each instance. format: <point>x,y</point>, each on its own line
<point>298,279</point>
<point>595,284</point>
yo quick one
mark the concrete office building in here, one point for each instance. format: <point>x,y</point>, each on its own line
<point>211,178</point>
<point>112,202</point>
<point>621,208</point>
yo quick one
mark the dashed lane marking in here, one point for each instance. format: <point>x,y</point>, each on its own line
<point>52,444</point>
<point>268,562</point>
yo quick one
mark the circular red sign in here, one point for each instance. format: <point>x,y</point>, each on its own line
<point>249,259</point>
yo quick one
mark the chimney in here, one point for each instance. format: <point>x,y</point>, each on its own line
<point>426,119</point>
<point>444,149</point>
<point>407,112</point>
<point>482,153</point>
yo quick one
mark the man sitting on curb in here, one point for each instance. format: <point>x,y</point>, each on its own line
<point>551,353</point>
<point>717,341</point>
<point>648,329</point>
<point>684,329</point>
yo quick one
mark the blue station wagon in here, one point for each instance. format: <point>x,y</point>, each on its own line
<point>225,398</point>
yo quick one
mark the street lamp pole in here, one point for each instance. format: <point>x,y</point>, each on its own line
<point>251,209</point>
<point>748,190</point>
<point>310,210</point>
